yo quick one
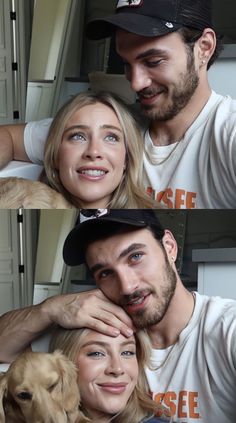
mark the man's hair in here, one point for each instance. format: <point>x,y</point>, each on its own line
<point>191,35</point>
<point>107,230</point>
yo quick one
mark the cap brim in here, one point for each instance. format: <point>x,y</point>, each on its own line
<point>74,246</point>
<point>137,24</point>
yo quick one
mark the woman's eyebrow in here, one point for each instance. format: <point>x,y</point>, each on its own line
<point>76,127</point>
<point>105,126</point>
<point>107,344</point>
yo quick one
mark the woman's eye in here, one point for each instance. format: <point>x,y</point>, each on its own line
<point>113,138</point>
<point>128,353</point>
<point>95,354</point>
<point>77,137</point>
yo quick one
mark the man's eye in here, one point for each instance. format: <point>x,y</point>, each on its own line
<point>104,274</point>
<point>136,257</point>
<point>153,63</point>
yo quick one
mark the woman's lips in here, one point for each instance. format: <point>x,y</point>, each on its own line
<point>92,173</point>
<point>113,388</point>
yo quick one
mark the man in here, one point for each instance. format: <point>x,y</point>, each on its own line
<point>190,144</point>
<point>133,262</point>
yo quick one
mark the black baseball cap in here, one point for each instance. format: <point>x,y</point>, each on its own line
<point>151,18</point>
<point>94,223</point>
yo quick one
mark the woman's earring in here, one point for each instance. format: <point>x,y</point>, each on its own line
<point>53,174</point>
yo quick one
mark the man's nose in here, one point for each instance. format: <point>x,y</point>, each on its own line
<point>128,282</point>
<point>139,79</point>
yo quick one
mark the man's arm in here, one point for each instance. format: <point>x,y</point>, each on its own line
<point>90,309</point>
<point>12,144</point>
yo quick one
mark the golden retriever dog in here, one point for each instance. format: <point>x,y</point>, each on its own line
<point>19,192</point>
<point>40,388</point>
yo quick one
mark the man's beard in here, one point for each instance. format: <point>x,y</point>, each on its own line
<point>152,315</point>
<point>182,94</point>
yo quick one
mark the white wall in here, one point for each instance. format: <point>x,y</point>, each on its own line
<point>222,73</point>
<point>53,229</point>
<point>47,37</point>
<point>222,77</point>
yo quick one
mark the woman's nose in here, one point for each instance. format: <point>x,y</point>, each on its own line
<point>93,150</point>
<point>115,367</point>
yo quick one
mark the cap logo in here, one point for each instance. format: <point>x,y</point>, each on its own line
<point>87,214</point>
<point>129,3</point>
<point>169,25</point>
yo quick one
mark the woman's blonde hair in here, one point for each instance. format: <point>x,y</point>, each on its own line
<point>130,192</point>
<point>140,404</point>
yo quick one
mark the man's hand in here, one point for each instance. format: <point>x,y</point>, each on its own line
<point>89,309</point>
<point>12,144</point>
<point>6,148</point>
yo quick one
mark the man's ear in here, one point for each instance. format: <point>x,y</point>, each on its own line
<point>206,46</point>
<point>170,245</point>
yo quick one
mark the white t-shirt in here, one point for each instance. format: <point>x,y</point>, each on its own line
<point>198,172</point>
<point>201,170</point>
<point>196,377</point>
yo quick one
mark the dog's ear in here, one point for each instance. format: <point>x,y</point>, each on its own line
<point>3,389</point>
<point>69,386</point>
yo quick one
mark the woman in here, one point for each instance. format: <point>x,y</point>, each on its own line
<point>94,154</point>
<point>93,159</point>
<point>111,375</point>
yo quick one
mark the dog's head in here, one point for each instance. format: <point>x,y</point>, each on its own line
<point>40,388</point>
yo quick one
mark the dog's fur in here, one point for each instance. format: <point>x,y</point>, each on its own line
<point>40,388</point>
<point>23,193</point>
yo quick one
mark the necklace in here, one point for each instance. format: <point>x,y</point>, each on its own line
<point>170,349</point>
<point>172,151</point>
<point>165,359</point>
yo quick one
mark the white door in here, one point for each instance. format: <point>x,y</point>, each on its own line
<point>6,73</point>
<point>15,34</point>
<point>16,259</point>
<point>53,27</point>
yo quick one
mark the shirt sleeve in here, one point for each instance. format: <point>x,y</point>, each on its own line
<point>35,136</point>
